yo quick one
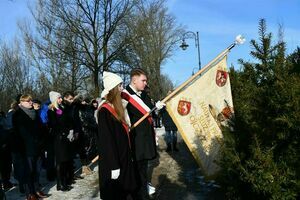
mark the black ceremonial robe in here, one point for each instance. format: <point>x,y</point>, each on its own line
<point>143,136</point>
<point>114,153</point>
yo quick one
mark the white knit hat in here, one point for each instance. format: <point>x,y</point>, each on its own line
<point>54,96</point>
<point>110,80</point>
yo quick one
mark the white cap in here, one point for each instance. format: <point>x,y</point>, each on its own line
<point>110,80</point>
<point>54,96</point>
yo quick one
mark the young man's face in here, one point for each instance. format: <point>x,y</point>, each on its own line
<point>95,104</point>
<point>139,82</point>
<point>69,99</point>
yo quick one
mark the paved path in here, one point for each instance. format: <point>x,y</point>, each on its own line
<point>175,176</point>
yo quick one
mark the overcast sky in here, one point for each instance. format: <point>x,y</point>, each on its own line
<point>217,21</point>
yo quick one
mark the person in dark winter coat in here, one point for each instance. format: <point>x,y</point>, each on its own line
<point>116,167</point>
<point>61,127</point>
<point>48,157</point>
<point>142,136</point>
<point>171,131</point>
<point>16,146</point>
<point>27,125</point>
<point>89,134</point>
<point>5,152</point>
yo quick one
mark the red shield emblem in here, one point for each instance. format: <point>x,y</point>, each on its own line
<point>227,112</point>
<point>221,78</point>
<point>184,107</point>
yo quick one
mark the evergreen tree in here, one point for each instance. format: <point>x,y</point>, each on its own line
<point>261,156</point>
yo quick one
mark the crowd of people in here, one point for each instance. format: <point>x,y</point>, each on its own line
<point>51,135</point>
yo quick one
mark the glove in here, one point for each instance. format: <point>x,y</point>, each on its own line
<point>159,105</point>
<point>71,136</point>
<point>115,173</point>
<point>151,189</point>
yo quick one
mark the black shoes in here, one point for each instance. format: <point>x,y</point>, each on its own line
<point>7,186</point>
<point>63,188</point>
<point>169,148</point>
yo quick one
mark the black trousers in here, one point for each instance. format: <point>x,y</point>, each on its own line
<point>112,190</point>
<point>29,174</point>
<point>142,174</point>
<point>5,164</point>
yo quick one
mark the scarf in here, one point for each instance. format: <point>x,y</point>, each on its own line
<point>30,112</point>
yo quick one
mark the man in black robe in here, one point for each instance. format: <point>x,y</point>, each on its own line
<point>143,136</point>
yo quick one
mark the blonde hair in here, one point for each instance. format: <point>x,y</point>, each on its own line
<point>25,97</point>
<point>114,97</point>
<point>53,105</point>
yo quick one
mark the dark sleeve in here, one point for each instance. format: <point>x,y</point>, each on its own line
<point>51,119</point>
<point>19,126</point>
<point>147,100</point>
<point>77,126</point>
<point>53,123</point>
<point>107,139</point>
<point>163,115</point>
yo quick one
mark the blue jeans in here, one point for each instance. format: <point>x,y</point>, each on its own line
<point>171,137</point>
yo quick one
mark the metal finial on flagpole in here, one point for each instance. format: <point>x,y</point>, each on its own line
<point>239,39</point>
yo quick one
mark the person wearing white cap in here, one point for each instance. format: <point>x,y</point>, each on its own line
<point>58,122</point>
<point>116,167</point>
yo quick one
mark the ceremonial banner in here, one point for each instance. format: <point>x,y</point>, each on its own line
<point>199,111</point>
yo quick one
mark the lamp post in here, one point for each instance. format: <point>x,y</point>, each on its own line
<point>184,45</point>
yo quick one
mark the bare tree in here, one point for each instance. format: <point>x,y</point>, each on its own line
<point>53,50</point>
<point>154,34</point>
<point>166,84</point>
<point>14,74</point>
<point>76,33</point>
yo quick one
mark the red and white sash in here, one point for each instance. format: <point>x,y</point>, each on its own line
<point>138,103</point>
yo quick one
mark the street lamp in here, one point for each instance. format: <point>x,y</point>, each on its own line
<point>184,45</point>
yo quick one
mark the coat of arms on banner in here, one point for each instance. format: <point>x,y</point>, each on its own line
<point>221,77</point>
<point>184,107</point>
<point>222,116</point>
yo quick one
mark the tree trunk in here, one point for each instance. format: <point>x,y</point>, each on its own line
<point>96,83</point>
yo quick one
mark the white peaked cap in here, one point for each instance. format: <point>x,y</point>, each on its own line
<point>54,96</point>
<point>110,80</point>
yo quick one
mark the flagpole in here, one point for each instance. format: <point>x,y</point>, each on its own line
<point>184,84</point>
<point>239,40</point>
